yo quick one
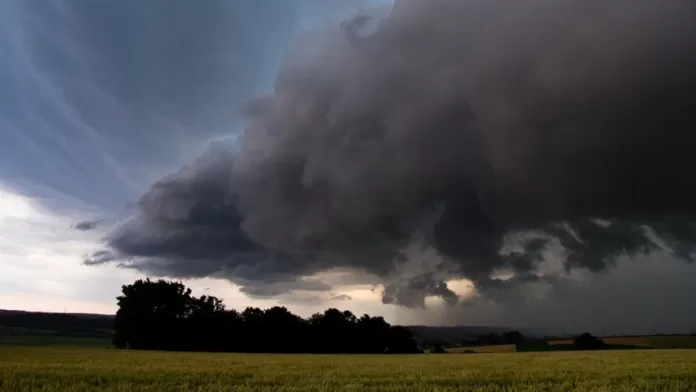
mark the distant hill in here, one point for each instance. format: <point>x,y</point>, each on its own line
<point>456,334</point>
<point>17,322</point>
<point>613,343</point>
<point>13,322</point>
<point>451,334</point>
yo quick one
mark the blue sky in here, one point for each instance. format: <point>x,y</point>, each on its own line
<point>99,98</point>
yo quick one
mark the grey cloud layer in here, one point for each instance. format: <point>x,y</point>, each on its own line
<point>493,131</point>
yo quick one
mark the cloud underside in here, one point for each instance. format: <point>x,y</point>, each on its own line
<point>450,140</point>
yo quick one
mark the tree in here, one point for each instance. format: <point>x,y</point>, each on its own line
<point>588,342</point>
<point>374,332</point>
<point>164,315</point>
<point>334,331</point>
<point>205,325</point>
<point>118,341</point>
<point>512,337</point>
<point>438,349</point>
<point>400,341</point>
<point>152,315</point>
<point>284,331</point>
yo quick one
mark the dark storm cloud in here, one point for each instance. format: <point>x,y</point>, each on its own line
<point>412,293</point>
<point>524,126</point>
<point>274,289</point>
<point>86,225</point>
<point>654,296</point>
<point>99,257</point>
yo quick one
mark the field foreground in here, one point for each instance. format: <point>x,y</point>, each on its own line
<point>80,369</point>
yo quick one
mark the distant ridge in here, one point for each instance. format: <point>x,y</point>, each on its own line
<point>93,324</point>
<point>19,322</point>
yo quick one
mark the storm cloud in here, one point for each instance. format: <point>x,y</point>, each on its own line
<point>497,133</point>
<point>86,225</point>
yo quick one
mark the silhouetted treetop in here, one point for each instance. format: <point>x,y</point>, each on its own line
<point>586,341</point>
<point>164,315</point>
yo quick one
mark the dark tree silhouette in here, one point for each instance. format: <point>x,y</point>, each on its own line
<point>438,349</point>
<point>588,342</point>
<point>512,337</point>
<point>153,315</point>
<point>163,315</point>
<point>400,341</point>
<point>374,332</point>
<point>492,339</point>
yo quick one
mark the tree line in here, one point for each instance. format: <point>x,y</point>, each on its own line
<point>164,315</point>
<point>495,339</point>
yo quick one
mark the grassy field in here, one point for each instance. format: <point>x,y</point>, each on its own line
<point>24,368</point>
<point>503,348</point>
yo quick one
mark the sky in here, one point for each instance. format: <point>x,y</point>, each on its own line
<point>99,100</point>
<point>101,105</point>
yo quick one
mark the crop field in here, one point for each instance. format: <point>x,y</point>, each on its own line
<point>502,348</point>
<point>24,368</point>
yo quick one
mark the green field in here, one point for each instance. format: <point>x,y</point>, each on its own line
<point>24,368</point>
<point>502,348</point>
